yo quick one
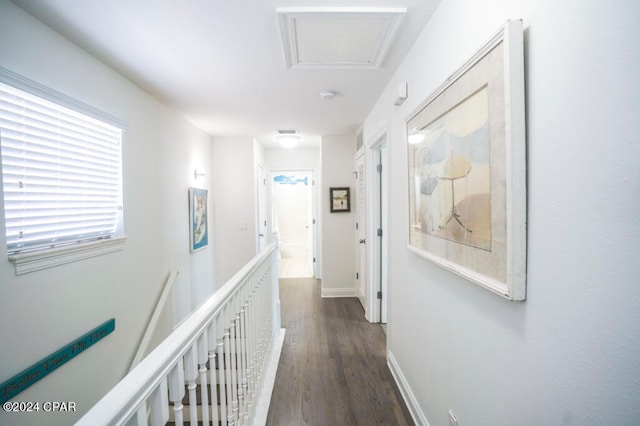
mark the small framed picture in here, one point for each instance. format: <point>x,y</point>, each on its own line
<point>340,200</point>
<point>198,227</point>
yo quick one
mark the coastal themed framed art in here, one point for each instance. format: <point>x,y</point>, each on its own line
<point>198,214</point>
<point>467,169</point>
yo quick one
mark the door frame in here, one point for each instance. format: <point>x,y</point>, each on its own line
<point>262,239</point>
<point>378,153</point>
<point>313,212</point>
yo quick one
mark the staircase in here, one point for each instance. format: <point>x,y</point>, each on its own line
<point>227,351</point>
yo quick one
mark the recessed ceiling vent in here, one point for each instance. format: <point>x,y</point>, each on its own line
<point>288,138</point>
<point>337,37</point>
<point>287,132</point>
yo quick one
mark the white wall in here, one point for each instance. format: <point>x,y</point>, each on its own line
<point>43,311</point>
<point>338,229</point>
<point>234,203</point>
<point>569,353</point>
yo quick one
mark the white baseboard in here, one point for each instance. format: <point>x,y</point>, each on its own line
<point>407,394</point>
<point>268,380</point>
<point>338,292</point>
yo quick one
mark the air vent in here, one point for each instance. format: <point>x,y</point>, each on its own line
<point>287,132</point>
<point>325,37</point>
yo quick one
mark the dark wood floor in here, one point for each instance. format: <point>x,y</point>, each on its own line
<point>333,369</point>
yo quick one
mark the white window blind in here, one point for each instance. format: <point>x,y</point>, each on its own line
<point>61,172</point>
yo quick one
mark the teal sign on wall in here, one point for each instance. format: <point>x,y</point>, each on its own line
<point>37,371</point>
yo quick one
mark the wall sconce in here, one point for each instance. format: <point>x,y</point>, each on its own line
<point>198,173</point>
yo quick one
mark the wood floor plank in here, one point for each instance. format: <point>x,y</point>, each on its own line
<point>333,368</point>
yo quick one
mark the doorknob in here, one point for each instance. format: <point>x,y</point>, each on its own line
<point>362,241</point>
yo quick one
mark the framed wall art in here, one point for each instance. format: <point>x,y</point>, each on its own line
<point>198,214</point>
<point>340,200</point>
<point>467,177</point>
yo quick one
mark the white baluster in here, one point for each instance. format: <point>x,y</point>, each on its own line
<point>247,344</point>
<point>244,411</point>
<point>228,367</point>
<point>251,339</point>
<point>158,405</point>
<point>246,354</point>
<point>234,363</point>
<point>203,357</point>
<point>191,374</point>
<point>222,367</point>
<point>141,414</point>
<point>176,391</point>
<point>239,371</point>
<point>212,372</point>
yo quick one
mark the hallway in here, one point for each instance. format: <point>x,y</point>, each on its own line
<point>332,369</point>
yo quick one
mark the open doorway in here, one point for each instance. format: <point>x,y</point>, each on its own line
<point>292,195</point>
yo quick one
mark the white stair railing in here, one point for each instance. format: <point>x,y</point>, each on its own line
<point>226,344</point>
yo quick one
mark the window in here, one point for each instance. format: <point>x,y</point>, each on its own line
<point>61,171</point>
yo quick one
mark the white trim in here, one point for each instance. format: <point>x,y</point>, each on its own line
<point>407,394</point>
<point>378,215</point>
<point>153,322</point>
<point>338,292</point>
<point>43,259</point>
<point>19,82</point>
<point>268,381</point>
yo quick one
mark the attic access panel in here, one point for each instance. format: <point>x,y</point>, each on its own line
<point>337,37</point>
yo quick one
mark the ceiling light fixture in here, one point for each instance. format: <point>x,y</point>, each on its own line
<point>288,141</point>
<point>288,138</point>
<point>328,94</point>
<point>415,136</point>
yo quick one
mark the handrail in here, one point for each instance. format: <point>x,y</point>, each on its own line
<point>242,304</point>
<point>155,317</point>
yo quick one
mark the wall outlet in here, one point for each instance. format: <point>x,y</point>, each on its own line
<point>453,420</point>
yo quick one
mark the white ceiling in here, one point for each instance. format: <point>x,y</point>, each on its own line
<point>222,63</point>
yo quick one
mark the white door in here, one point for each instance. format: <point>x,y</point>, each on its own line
<point>292,196</point>
<point>361,232</point>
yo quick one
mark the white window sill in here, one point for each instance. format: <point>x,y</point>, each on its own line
<point>36,261</point>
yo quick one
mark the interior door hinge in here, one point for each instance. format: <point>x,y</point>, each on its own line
<point>314,260</point>
<point>379,295</point>
<point>357,276</point>
<point>356,226</point>
<point>379,168</point>
<point>380,232</point>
